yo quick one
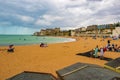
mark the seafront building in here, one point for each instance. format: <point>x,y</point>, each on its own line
<point>116,31</point>
<point>48,32</point>
<point>80,31</point>
<point>91,30</point>
<point>36,34</point>
<point>107,29</point>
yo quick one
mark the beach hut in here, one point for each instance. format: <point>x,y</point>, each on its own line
<point>114,65</point>
<point>83,71</point>
<point>26,75</point>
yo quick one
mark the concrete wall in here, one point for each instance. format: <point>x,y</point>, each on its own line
<point>91,35</point>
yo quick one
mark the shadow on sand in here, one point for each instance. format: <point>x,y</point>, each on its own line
<point>88,54</point>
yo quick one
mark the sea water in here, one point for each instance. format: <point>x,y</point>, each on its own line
<point>6,40</point>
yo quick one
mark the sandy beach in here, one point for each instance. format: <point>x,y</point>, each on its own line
<point>51,58</point>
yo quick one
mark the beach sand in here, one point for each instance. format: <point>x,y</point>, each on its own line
<point>52,58</point>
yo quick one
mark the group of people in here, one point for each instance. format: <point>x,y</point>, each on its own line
<point>116,37</point>
<point>11,47</point>
<point>113,47</point>
<point>109,47</point>
<point>95,51</point>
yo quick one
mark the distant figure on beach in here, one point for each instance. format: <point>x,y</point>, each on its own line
<point>108,41</point>
<point>109,46</point>
<point>96,52</point>
<point>11,48</point>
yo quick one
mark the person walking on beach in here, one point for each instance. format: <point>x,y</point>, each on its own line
<point>101,52</point>
<point>108,43</point>
<point>96,52</point>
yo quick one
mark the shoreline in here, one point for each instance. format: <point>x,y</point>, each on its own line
<point>68,39</point>
<point>52,58</point>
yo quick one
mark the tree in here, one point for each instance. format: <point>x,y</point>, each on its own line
<point>118,24</point>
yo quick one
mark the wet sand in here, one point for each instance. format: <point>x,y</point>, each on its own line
<point>51,58</point>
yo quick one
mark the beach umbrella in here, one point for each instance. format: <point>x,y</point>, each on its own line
<point>82,71</point>
<point>26,75</point>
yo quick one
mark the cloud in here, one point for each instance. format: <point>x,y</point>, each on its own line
<point>47,20</point>
<point>52,18</point>
<point>5,23</point>
<point>79,11</point>
<point>42,22</point>
<point>25,18</point>
<point>67,14</point>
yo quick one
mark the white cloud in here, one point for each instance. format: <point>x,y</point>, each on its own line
<point>63,13</point>
<point>25,18</point>
<point>5,23</point>
<point>65,3</point>
<point>42,22</point>
<point>47,20</point>
<point>79,11</point>
<point>28,5</point>
<point>51,18</point>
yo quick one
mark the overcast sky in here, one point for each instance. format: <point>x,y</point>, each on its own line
<point>28,16</point>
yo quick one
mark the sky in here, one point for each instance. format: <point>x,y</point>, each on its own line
<point>29,16</point>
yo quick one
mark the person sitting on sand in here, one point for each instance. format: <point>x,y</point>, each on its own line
<point>11,48</point>
<point>96,52</point>
<point>43,45</point>
<point>118,49</point>
<point>109,47</point>
<point>108,42</point>
<point>115,48</point>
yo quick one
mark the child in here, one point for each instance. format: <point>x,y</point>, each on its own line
<point>101,52</point>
